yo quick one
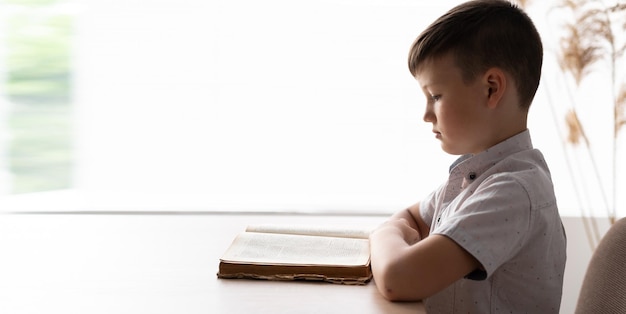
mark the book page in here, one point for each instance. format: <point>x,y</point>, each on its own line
<point>328,231</point>
<point>271,248</point>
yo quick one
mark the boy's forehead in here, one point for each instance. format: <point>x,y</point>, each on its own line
<point>437,68</point>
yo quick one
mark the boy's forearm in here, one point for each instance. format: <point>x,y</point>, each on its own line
<point>387,244</point>
<point>395,264</point>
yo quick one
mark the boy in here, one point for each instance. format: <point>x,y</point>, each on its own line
<point>490,239</point>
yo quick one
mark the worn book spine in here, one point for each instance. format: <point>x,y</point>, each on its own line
<point>336,275</point>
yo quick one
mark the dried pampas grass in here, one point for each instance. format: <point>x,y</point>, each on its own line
<point>595,32</point>
<point>620,109</point>
<point>592,35</point>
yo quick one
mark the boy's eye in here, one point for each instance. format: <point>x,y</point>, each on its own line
<point>435,98</point>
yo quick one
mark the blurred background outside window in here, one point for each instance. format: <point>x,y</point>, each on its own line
<point>248,105</point>
<point>37,39</point>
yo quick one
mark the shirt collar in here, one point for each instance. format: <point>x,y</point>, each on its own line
<point>472,166</point>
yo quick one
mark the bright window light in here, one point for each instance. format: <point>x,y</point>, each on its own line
<point>271,105</point>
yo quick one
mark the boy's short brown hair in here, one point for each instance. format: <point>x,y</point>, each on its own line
<point>482,34</point>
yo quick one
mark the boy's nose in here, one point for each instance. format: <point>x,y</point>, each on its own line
<point>429,116</point>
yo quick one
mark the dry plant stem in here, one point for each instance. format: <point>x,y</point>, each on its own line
<point>596,232</point>
<point>611,39</point>
<point>593,236</point>
<point>589,36</point>
<point>575,127</point>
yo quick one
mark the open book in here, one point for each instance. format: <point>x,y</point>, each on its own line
<point>274,252</point>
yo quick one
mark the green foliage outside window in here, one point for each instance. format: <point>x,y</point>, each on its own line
<point>38,87</point>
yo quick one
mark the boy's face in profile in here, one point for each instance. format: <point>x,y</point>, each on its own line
<point>456,109</point>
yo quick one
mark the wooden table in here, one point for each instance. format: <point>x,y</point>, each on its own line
<point>151,263</point>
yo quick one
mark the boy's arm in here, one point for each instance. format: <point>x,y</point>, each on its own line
<point>414,219</point>
<point>410,265</point>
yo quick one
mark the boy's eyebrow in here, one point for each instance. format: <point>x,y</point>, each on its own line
<point>429,81</point>
<point>430,84</point>
<point>424,87</point>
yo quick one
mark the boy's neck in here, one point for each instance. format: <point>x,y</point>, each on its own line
<point>508,126</point>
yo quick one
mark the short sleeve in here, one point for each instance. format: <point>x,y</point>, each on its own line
<point>492,223</point>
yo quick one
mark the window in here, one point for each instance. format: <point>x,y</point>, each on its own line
<point>37,103</point>
<point>270,105</point>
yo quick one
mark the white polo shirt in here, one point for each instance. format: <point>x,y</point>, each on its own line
<point>499,205</point>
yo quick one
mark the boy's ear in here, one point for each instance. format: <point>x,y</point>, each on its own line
<point>495,86</point>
